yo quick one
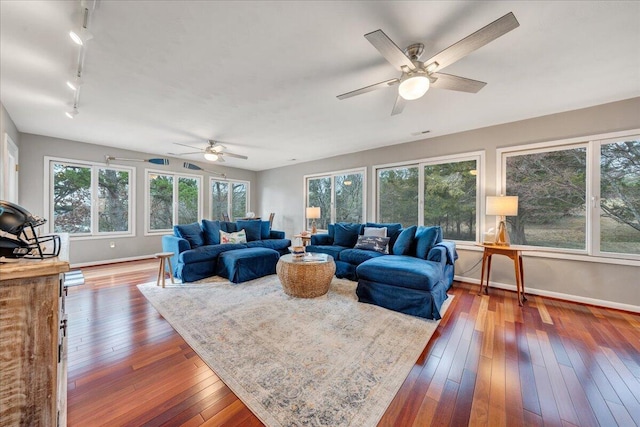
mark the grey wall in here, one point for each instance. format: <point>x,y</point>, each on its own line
<point>282,191</point>
<point>7,125</point>
<point>34,148</point>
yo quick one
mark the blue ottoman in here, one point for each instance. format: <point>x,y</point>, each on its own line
<point>241,265</point>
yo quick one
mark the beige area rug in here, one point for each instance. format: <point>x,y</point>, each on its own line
<point>328,361</point>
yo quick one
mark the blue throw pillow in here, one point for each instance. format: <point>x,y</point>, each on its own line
<point>426,238</point>
<point>265,230</point>
<point>373,243</point>
<point>211,232</point>
<point>228,227</point>
<point>346,234</point>
<point>253,229</point>
<point>404,243</point>
<point>192,233</point>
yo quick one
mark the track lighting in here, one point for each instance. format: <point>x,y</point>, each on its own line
<point>71,114</point>
<point>83,35</point>
<point>74,84</point>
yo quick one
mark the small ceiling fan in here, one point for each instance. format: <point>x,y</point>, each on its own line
<point>418,76</point>
<point>212,152</point>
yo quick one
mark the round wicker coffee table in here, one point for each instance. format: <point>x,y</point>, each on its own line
<point>306,277</point>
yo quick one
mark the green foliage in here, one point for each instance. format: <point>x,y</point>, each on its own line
<point>113,199</point>
<point>71,199</point>
<point>398,195</point>
<point>160,202</point>
<point>219,199</point>
<point>188,195</point>
<point>238,201</point>
<point>319,194</point>
<point>348,189</point>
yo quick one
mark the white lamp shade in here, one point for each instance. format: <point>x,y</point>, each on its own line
<point>313,212</point>
<point>211,156</point>
<point>502,205</point>
<point>413,87</point>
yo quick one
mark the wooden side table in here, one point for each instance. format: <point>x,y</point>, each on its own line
<point>513,252</point>
<point>164,261</point>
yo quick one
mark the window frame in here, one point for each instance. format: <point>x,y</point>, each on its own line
<point>175,205</point>
<point>230,183</point>
<point>478,156</point>
<point>592,144</point>
<point>94,220</point>
<point>332,175</point>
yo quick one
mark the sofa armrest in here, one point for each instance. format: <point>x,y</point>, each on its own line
<point>177,245</point>
<point>275,234</point>
<point>321,239</point>
<point>445,250</point>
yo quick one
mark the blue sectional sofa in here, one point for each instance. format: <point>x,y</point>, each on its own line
<point>412,276</point>
<point>197,249</point>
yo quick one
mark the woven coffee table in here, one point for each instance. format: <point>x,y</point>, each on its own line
<point>306,277</point>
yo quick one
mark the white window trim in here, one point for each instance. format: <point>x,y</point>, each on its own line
<point>591,253</point>
<point>478,156</point>
<point>332,175</point>
<point>48,202</point>
<point>176,176</point>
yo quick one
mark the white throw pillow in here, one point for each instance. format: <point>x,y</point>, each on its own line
<point>375,231</point>
<point>237,237</point>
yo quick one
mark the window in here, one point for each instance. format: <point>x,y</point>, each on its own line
<point>339,195</point>
<point>90,199</point>
<point>234,203</point>
<point>398,195</point>
<point>172,199</point>
<point>442,191</point>
<point>581,196</point>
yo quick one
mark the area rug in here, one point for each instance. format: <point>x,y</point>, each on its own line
<point>327,361</point>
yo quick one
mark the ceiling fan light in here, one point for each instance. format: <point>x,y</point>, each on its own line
<point>211,156</point>
<point>413,87</point>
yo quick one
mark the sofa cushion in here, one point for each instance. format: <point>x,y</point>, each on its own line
<point>375,231</point>
<point>247,264</point>
<point>393,230</point>
<point>403,271</point>
<point>404,244</point>
<point>332,250</point>
<point>231,238</point>
<point>252,228</point>
<point>211,231</point>
<point>229,227</point>
<point>192,233</point>
<point>280,245</point>
<point>206,253</point>
<point>426,238</point>
<point>346,234</point>
<point>265,229</point>
<point>358,256</point>
<point>373,243</point>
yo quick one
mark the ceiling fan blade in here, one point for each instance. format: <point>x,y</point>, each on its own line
<point>389,50</point>
<point>398,106</point>
<point>368,88</point>
<point>190,146</point>
<point>483,36</point>
<point>220,159</point>
<point>461,84</point>
<point>186,154</point>
<point>237,156</point>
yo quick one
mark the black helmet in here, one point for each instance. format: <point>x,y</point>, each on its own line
<point>18,236</point>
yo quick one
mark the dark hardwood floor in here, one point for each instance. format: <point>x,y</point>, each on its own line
<point>490,363</point>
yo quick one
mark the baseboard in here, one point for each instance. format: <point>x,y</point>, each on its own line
<point>111,261</point>
<point>558,295</point>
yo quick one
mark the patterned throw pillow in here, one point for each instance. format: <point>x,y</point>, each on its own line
<point>237,237</point>
<point>373,243</point>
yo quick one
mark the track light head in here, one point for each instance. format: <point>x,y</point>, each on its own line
<point>71,114</point>
<point>81,36</point>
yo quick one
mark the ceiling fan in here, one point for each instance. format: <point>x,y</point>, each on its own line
<point>418,76</point>
<point>212,152</point>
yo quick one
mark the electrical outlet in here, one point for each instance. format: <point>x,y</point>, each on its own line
<point>112,245</point>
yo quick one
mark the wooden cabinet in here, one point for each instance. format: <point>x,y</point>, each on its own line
<point>32,343</point>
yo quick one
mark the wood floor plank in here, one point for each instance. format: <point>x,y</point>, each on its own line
<point>490,362</point>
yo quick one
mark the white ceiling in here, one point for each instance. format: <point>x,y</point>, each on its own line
<point>263,76</point>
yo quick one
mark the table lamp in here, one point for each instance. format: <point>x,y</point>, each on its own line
<point>313,213</point>
<point>502,206</point>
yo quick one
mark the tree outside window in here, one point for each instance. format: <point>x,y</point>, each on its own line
<point>172,199</point>
<point>398,195</point>
<point>339,195</point>
<point>229,198</point>
<point>73,207</point>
